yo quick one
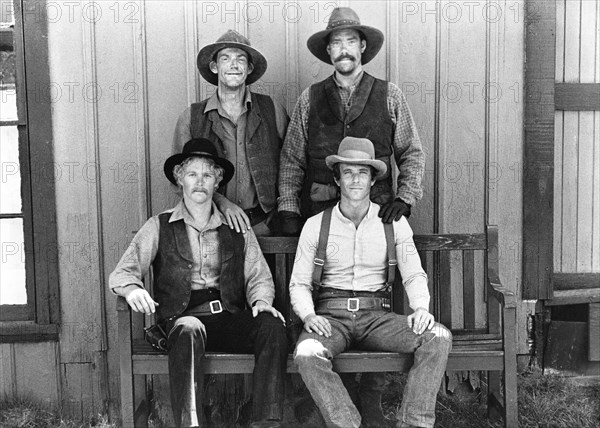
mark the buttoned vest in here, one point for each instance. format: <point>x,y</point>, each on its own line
<point>172,268</point>
<point>262,143</point>
<point>328,124</point>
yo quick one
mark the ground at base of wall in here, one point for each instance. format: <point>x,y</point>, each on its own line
<point>545,400</point>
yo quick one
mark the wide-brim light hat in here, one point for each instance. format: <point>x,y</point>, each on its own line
<point>344,18</point>
<point>357,151</point>
<point>231,39</point>
<point>199,147</point>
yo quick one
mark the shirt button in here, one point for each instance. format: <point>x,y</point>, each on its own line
<point>190,266</point>
<point>224,152</point>
<point>205,256</point>
<point>348,126</point>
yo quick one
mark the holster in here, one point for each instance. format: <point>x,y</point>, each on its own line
<point>156,337</point>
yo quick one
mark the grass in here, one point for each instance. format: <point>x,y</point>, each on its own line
<point>25,413</point>
<point>545,401</point>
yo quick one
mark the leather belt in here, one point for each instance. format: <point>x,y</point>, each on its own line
<point>354,304</point>
<point>256,215</point>
<point>207,308</point>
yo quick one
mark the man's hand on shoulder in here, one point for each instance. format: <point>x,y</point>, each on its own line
<point>392,211</point>
<point>261,306</point>
<point>235,216</point>
<point>291,223</point>
<point>314,323</point>
<point>420,320</point>
<point>139,299</point>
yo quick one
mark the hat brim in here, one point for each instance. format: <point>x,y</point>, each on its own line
<point>379,166</point>
<point>205,56</point>
<point>317,43</point>
<point>176,159</point>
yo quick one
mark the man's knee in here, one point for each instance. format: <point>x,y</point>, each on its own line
<point>309,352</point>
<point>189,329</point>
<point>441,336</point>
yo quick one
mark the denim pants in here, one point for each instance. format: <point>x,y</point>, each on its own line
<point>190,336</point>
<point>373,331</point>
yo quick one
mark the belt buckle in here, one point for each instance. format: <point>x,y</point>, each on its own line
<point>215,306</point>
<point>353,304</point>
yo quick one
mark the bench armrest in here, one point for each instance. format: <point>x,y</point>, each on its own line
<point>122,304</point>
<point>505,296</point>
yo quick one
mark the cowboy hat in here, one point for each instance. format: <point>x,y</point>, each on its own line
<point>357,151</point>
<point>231,39</point>
<point>198,147</point>
<point>344,18</point>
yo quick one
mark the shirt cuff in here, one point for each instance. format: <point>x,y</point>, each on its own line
<point>120,290</point>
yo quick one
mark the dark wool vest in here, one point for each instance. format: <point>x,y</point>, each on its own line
<point>328,124</point>
<point>262,143</point>
<point>172,269</point>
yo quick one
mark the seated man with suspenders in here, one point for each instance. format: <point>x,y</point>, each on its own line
<point>340,289</point>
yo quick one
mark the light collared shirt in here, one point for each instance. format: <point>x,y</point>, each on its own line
<point>408,151</point>
<point>356,259</point>
<point>241,189</point>
<point>205,245</point>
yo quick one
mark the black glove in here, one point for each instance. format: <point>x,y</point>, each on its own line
<point>394,210</point>
<point>291,223</point>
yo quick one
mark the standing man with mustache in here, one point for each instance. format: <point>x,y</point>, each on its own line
<point>247,128</point>
<point>351,103</point>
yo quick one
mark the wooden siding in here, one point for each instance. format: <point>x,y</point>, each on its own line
<point>126,71</point>
<point>577,142</point>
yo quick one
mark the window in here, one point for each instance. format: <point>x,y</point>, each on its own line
<point>28,268</point>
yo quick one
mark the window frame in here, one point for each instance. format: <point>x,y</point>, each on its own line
<point>38,319</point>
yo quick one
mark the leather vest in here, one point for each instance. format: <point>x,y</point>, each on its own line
<point>262,143</point>
<point>172,268</point>
<point>328,124</point>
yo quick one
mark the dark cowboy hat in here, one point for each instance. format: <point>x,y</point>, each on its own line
<point>198,147</point>
<point>344,18</point>
<point>231,39</point>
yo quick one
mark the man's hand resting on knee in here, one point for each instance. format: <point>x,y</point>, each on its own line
<point>314,323</point>
<point>420,320</point>
<point>261,306</point>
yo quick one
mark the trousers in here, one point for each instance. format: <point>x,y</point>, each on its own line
<point>373,331</point>
<point>189,336</point>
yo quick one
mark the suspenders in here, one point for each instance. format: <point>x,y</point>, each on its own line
<point>320,254</point>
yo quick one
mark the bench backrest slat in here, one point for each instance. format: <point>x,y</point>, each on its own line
<point>468,259</point>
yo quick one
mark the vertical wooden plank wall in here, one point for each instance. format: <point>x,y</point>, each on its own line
<point>131,69</point>
<point>577,152</point>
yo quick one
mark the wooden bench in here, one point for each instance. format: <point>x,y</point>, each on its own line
<point>490,348</point>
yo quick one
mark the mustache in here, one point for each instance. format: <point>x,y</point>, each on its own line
<point>345,56</point>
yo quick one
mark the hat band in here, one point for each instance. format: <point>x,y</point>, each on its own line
<point>355,155</point>
<point>343,22</point>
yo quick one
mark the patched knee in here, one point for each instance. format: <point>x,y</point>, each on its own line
<point>442,334</point>
<point>308,351</point>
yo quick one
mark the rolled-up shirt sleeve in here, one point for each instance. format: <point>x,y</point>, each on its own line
<point>138,257</point>
<point>414,278</point>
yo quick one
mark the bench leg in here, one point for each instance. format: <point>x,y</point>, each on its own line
<point>125,367</point>
<point>511,409</point>
<point>495,408</point>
